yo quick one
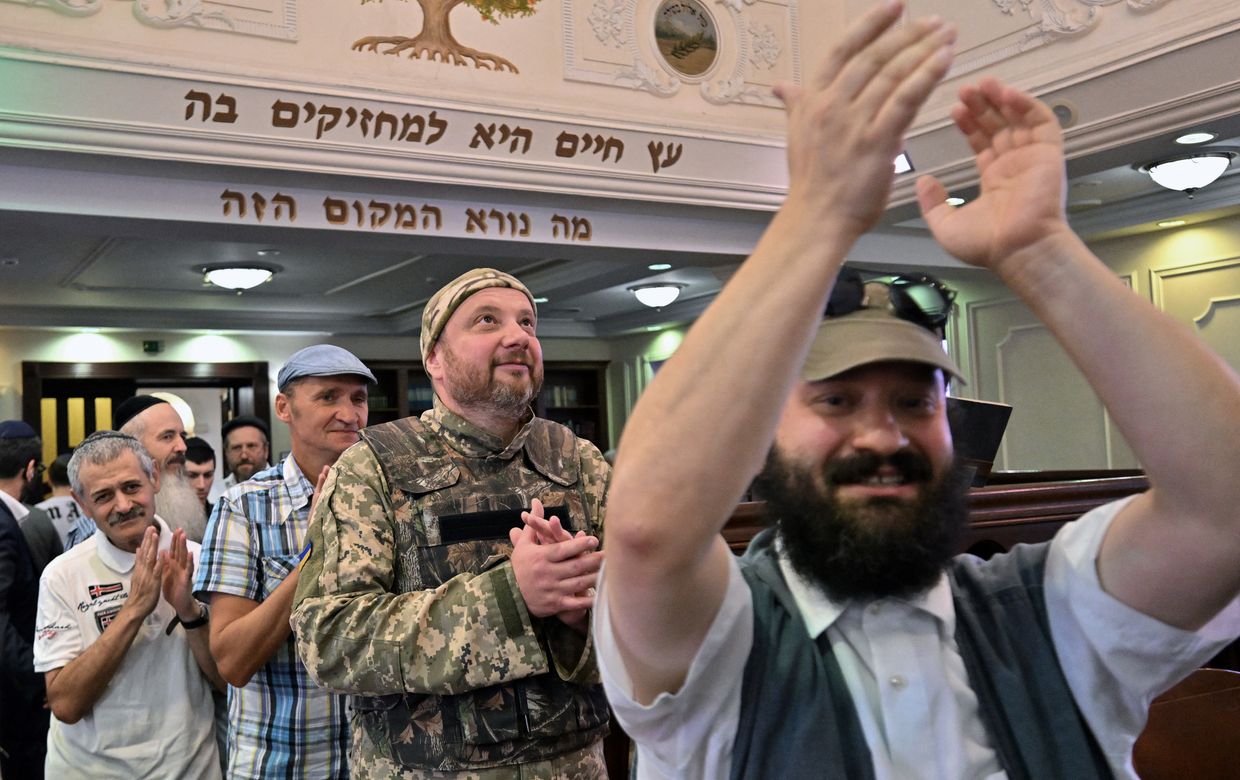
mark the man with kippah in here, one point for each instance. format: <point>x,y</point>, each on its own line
<point>280,724</point>
<point>23,720</point>
<point>247,446</point>
<point>159,427</point>
<point>459,629</point>
<point>849,642</point>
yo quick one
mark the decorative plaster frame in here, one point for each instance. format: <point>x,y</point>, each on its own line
<point>1159,275</point>
<point>616,23</point>
<point>194,14</point>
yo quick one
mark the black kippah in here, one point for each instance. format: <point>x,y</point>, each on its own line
<point>131,408</point>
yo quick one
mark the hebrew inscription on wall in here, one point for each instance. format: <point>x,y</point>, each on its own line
<point>376,215</point>
<point>320,119</point>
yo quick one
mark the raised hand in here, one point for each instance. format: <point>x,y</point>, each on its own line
<point>1019,151</point>
<point>846,125</point>
<point>178,577</point>
<point>144,585</point>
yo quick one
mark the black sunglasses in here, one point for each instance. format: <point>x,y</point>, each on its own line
<point>918,298</point>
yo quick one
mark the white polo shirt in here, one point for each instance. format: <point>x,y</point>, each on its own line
<point>156,717</point>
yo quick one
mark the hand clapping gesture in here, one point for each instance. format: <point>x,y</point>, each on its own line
<point>1019,150</point>
<point>178,577</point>
<point>555,570</point>
<point>148,572</point>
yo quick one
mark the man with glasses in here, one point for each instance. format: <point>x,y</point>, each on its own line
<point>246,451</point>
<point>849,642</point>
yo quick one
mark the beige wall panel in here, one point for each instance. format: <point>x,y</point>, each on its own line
<point>1206,296</point>
<point>1057,420</point>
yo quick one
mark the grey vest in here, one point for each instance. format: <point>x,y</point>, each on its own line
<point>451,515</point>
<point>797,718</point>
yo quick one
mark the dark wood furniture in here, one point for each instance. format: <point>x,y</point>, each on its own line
<point>573,393</point>
<point>1193,730</point>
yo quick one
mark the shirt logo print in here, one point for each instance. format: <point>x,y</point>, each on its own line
<point>104,618</point>
<point>96,591</point>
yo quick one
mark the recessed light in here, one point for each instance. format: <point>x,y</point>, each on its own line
<point>1196,138</point>
<point>267,252</point>
<point>660,266</point>
<point>954,201</point>
<point>9,262</point>
<point>540,299</point>
<point>1173,223</point>
<point>903,163</point>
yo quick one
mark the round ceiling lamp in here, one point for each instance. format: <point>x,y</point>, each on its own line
<point>238,278</point>
<point>1190,172</point>
<point>657,295</point>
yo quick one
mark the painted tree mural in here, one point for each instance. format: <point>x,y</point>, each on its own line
<point>435,41</point>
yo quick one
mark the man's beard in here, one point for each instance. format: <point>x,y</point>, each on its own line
<point>32,491</point>
<point>178,504</point>
<point>244,469</point>
<point>881,548</point>
<point>477,387</point>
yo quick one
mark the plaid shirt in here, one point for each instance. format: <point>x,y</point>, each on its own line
<point>280,724</point>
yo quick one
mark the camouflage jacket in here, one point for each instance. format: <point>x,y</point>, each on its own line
<point>424,623</point>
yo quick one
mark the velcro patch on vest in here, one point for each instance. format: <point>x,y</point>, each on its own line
<point>492,524</point>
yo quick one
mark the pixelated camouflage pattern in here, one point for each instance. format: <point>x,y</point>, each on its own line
<point>449,670</point>
<point>373,763</point>
<point>439,308</point>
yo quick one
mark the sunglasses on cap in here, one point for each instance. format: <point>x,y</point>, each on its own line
<point>917,298</point>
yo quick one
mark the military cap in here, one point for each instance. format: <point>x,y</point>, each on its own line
<point>442,304</point>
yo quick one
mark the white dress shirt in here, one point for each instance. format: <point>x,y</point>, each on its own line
<point>907,679</point>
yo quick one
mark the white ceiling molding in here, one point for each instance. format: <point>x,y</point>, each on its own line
<point>238,17</point>
<point>612,42</point>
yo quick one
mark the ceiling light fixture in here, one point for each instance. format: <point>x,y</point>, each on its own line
<point>1195,138</point>
<point>238,278</point>
<point>660,266</point>
<point>656,296</point>
<point>1170,223</point>
<point>954,201</point>
<point>1191,171</point>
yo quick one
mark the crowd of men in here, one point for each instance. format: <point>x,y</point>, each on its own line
<point>417,599</point>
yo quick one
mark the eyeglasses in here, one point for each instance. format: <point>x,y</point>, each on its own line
<point>918,298</point>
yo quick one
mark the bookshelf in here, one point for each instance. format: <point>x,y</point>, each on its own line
<point>574,394</point>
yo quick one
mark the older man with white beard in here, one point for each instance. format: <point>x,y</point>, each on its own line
<point>157,425</point>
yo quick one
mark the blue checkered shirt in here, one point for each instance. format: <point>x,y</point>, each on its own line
<point>280,724</point>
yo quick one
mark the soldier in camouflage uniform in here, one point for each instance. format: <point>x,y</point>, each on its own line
<point>459,630</point>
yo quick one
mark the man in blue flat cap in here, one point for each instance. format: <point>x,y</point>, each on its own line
<point>280,723</point>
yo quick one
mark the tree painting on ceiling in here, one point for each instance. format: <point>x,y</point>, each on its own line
<point>435,41</point>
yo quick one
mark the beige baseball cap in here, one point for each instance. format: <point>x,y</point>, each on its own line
<point>873,334</point>
<point>442,304</point>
